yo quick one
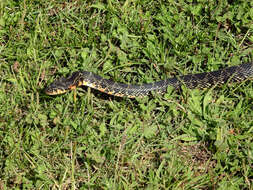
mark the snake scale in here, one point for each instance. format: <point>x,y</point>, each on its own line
<point>238,73</point>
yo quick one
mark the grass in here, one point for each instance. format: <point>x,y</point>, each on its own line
<point>187,139</point>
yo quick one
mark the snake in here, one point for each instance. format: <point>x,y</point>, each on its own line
<point>239,73</point>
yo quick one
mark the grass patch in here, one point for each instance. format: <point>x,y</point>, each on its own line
<point>187,139</point>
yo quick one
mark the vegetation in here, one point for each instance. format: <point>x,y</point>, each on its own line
<point>186,139</point>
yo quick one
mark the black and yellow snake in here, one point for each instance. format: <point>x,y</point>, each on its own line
<point>202,80</point>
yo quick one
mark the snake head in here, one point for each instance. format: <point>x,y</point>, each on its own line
<point>62,85</point>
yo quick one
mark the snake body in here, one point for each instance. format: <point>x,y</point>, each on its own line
<point>202,80</point>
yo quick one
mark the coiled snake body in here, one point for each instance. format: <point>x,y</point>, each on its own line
<point>201,80</point>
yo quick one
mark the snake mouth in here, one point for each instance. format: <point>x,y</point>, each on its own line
<point>55,91</point>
